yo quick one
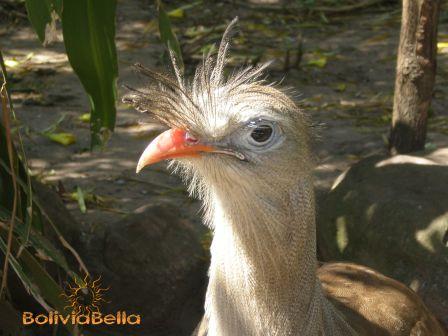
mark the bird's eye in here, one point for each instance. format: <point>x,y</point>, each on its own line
<point>262,133</point>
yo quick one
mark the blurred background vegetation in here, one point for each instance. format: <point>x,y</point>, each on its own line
<point>32,244</point>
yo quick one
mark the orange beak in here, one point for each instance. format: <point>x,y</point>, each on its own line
<point>171,144</point>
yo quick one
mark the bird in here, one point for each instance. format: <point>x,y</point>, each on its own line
<point>243,146</point>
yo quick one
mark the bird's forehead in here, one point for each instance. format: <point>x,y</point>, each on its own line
<point>222,113</point>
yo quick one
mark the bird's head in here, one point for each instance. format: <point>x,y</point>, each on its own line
<point>225,130</point>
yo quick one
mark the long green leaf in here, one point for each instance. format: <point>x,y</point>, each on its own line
<point>27,283</point>
<point>39,14</point>
<point>31,273</point>
<point>41,210</point>
<point>89,35</point>
<point>6,186</point>
<point>168,37</point>
<point>36,280</point>
<point>9,319</point>
<point>39,242</point>
<point>81,200</point>
<point>57,6</point>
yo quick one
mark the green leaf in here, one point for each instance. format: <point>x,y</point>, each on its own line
<point>36,279</point>
<point>62,138</point>
<point>11,63</point>
<point>85,117</point>
<point>9,319</point>
<point>81,200</point>
<point>54,126</point>
<point>168,37</point>
<point>57,6</point>
<point>442,47</point>
<point>42,15</point>
<point>39,242</point>
<point>340,87</point>
<point>40,211</point>
<point>320,61</point>
<point>39,14</point>
<point>30,272</point>
<point>177,13</point>
<point>89,35</point>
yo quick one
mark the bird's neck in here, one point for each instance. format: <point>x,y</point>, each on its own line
<point>263,268</point>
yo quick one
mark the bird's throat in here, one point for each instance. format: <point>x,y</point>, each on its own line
<point>263,268</point>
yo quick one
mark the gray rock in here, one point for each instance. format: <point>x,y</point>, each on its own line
<point>155,266</point>
<point>392,214</point>
<point>153,261</point>
<point>55,208</point>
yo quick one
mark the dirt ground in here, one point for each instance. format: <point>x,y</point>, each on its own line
<point>345,80</point>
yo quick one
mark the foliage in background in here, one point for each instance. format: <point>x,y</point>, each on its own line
<point>40,15</point>
<point>89,36</point>
<point>24,248</point>
<point>88,28</point>
<point>167,35</point>
<point>88,61</point>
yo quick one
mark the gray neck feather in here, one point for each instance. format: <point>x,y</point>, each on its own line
<point>263,269</point>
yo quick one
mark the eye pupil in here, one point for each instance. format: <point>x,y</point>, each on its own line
<point>262,133</point>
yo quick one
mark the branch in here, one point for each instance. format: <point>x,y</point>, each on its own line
<point>348,8</point>
<point>324,9</point>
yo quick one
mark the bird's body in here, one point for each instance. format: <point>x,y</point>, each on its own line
<point>243,148</point>
<point>273,285</point>
<point>374,304</point>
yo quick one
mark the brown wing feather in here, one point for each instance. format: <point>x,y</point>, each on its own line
<point>374,304</point>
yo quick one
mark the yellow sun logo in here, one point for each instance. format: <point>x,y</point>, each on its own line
<point>86,297</point>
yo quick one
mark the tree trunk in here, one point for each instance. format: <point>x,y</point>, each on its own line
<point>416,69</point>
